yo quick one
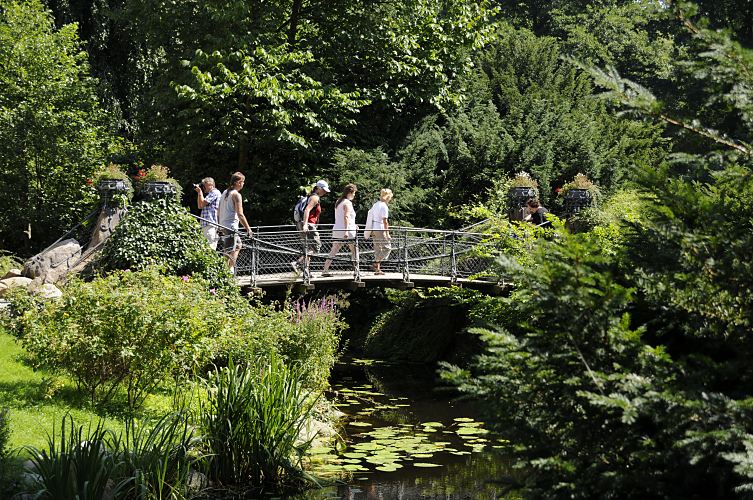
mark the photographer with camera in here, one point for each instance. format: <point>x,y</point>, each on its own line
<point>208,199</point>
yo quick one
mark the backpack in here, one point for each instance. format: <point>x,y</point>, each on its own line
<point>300,207</point>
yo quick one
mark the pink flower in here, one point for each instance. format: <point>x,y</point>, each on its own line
<point>213,291</point>
<point>185,278</point>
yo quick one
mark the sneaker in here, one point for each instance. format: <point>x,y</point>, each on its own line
<point>295,267</point>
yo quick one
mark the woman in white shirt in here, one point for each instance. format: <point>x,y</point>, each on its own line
<point>344,230</point>
<point>380,229</point>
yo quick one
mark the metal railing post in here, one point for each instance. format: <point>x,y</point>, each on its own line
<point>254,259</point>
<point>356,260</point>
<point>406,271</point>
<point>454,261</point>
<point>306,259</point>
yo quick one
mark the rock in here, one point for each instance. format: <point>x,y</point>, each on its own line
<point>8,283</point>
<point>13,273</point>
<point>47,291</point>
<point>53,263</point>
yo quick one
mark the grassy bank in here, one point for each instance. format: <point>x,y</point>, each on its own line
<point>38,400</point>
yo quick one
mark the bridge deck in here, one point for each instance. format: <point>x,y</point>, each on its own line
<point>368,279</point>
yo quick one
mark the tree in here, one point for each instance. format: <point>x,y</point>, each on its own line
<point>51,128</point>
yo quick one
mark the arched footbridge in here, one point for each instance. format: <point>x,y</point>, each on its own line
<point>418,257</point>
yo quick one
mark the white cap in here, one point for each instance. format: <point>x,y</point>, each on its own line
<point>323,185</point>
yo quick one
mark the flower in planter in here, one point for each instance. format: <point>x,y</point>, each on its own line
<point>156,172</point>
<point>523,179</point>
<point>580,181</point>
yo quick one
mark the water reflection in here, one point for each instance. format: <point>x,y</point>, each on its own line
<point>408,440</point>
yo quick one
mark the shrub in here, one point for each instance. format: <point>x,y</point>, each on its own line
<point>313,339</point>
<point>161,232</point>
<point>129,329</point>
<point>252,420</point>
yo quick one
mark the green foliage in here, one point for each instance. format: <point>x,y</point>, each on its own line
<point>86,462</point>
<point>313,340</point>
<point>163,233</point>
<point>51,134</point>
<point>565,357</point>
<point>156,461</point>
<point>526,109</point>
<point>4,437</point>
<point>8,261</point>
<point>129,330</point>
<point>78,463</point>
<point>252,421</point>
<point>371,171</point>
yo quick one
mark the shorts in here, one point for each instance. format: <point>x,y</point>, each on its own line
<point>230,242</point>
<point>211,234</point>
<point>311,238</point>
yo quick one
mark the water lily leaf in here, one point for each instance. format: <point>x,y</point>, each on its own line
<point>425,464</point>
<point>359,424</point>
<point>463,419</point>
<point>422,455</point>
<point>386,468</point>
<point>354,455</point>
<point>433,424</point>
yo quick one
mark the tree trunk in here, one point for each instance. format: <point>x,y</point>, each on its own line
<point>295,15</point>
<point>242,153</point>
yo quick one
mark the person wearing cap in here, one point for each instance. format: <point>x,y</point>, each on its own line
<point>310,221</point>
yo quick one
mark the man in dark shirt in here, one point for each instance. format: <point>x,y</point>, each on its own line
<point>536,213</point>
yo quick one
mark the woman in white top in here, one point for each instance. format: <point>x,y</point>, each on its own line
<point>380,229</point>
<point>344,230</point>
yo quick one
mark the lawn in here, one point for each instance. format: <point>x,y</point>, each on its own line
<point>38,400</point>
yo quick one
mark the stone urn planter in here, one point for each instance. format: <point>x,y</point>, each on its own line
<point>109,187</point>
<point>576,200</point>
<point>517,198</point>
<point>156,190</point>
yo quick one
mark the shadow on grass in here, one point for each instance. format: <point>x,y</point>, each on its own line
<point>52,391</point>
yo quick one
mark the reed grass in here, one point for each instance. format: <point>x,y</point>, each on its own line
<point>252,422</point>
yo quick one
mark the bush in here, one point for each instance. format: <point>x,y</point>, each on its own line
<point>129,329</point>
<point>252,421</point>
<point>163,233</point>
<point>313,339</point>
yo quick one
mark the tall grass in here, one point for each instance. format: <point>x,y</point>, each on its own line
<point>86,463</point>
<point>252,423</point>
<point>78,463</point>
<point>157,462</point>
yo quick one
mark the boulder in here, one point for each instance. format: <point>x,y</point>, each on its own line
<point>47,291</point>
<point>13,273</point>
<point>53,263</point>
<point>8,283</point>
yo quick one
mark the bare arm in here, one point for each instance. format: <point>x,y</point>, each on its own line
<point>238,203</point>
<point>313,200</point>
<point>200,201</point>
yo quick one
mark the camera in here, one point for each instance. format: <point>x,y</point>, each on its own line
<point>197,185</point>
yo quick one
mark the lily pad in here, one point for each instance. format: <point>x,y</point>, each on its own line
<point>425,464</point>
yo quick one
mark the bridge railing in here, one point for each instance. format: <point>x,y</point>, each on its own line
<point>285,251</point>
